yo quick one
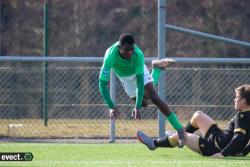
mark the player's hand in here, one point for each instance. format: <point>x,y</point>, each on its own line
<point>136,114</point>
<point>182,137</point>
<point>217,155</point>
<point>114,113</point>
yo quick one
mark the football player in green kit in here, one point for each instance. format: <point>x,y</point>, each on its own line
<point>127,61</point>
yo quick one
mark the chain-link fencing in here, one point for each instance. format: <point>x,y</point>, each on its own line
<point>87,28</point>
<point>76,109</point>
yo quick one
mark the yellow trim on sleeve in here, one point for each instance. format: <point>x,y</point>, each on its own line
<point>246,109</point>
<point>240,130</point>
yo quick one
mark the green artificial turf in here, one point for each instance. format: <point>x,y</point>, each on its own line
<point>113,155</point>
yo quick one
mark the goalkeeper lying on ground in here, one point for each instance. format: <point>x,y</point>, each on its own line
<point>232,141</point>
<point>127,61</point>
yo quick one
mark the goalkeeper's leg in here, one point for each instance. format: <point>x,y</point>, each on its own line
<point>169,141</point>
<point>200,121</point>
<point>192,142</point>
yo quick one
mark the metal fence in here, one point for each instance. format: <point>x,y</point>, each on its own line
<point>76,28</point>
<point>76,109</point>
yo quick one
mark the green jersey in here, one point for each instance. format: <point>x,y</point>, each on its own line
<point>123,68</point>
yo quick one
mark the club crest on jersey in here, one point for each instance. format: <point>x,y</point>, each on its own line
<point>105,72</point>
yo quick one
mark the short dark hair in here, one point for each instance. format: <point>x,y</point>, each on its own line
<point>126,38</point>
<point>244,91</point>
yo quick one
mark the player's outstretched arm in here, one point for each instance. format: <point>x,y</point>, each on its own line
<point>105,93</point>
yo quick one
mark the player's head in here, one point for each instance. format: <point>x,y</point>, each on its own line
<point>242,97</point>
<point>126,42</point>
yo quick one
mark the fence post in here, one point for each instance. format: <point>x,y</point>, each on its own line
<point>113,97</point>
<point>161,54</point>
<point>45,66</point>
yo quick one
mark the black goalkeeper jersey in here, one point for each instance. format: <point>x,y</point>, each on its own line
<point>236,135</point>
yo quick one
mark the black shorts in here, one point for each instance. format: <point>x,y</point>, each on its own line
<point>208,145</point>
